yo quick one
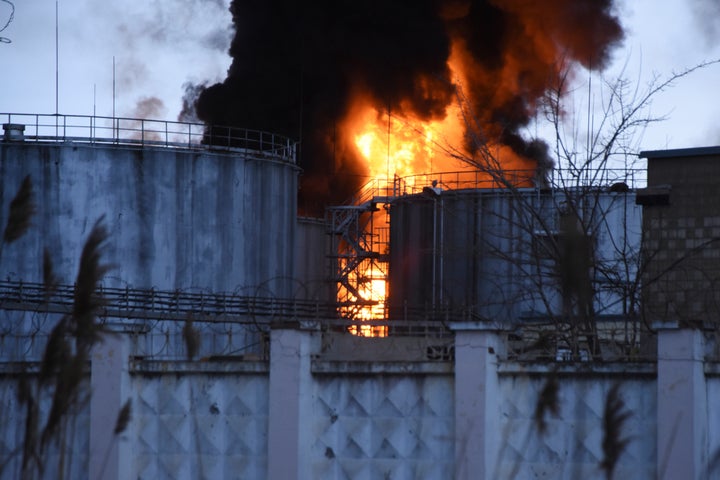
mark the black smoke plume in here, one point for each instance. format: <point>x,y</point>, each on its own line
<point>297,65</point>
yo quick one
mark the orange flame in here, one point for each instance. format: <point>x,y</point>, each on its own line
<point>396,145</point>
<point>399,145</point>
<point>374,289</point>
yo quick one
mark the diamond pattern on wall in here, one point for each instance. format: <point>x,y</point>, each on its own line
<point>190,426</point>
<point>383,427</point>
<point>571,447</point>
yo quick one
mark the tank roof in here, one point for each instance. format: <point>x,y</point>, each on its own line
<point>680,152</point>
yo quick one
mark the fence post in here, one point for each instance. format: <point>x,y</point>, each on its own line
<point>478,346</point>
<point>290,401</point>
<point>681,403</point>
<point>110,385</point>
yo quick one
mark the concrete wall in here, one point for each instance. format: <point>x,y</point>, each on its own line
<point>308,414</point>
<point>571,447</point>
<point>190,425</point>
<point>382,425</point>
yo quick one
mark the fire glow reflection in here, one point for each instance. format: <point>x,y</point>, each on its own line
<point>374,288</point>
<point>398,145</point>
<point>393,146</point>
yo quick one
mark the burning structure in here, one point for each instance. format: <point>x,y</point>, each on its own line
<point>462,229</point>
<point>449,249</point>
<point>465,257</point>
<point>359,83</point>
<point>391,90</point>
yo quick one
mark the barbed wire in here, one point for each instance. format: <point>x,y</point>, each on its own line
<point>9,21</point>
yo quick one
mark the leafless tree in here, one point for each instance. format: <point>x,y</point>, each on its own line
<point>572,244</point>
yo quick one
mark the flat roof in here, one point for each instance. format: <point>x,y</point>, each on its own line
<point>680,152</point>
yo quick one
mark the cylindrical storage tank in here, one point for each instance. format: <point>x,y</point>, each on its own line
<point>312,244</point>
<point>460,251</point>
<point>493,254</point>
<point>178,218</point>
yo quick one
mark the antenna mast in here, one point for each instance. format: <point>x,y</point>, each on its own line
<point>57,58</point>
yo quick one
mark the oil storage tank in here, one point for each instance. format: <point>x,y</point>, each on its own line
<point>491,254</point>
<point>180,214</point>
<point>452,249</point>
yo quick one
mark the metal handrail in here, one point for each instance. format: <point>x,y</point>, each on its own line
<point>559,179</point>
<point>148,133</point>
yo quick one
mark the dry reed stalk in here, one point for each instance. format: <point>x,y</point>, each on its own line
<point>614,419</point>
<point>30,451</point>
<point>123,418</point>
<point>58,351</point>
<point>87,303</point>
<point>191,337</point>
<point>121,423</point>
<point>548,401</point>
<point>68,349</point>
<point>50,281</point>
<point>66,394</point>
<point>22,208</point>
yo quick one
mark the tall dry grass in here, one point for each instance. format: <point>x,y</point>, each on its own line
<point>62,373</point>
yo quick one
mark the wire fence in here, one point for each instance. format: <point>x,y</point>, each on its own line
<point>231,325</point>
<point>614,339</point>
<point>137,303</point>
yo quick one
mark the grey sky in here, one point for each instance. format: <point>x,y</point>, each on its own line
<point>159,45</point>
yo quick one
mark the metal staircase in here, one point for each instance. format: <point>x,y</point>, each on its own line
<point>359,243</point>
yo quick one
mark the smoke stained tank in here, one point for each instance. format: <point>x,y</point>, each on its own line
<point>481,253</point>
<point>450,249</point>
<point>183,218</point>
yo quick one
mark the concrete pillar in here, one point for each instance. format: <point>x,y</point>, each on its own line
<point>290,402</point>
<point>477,422</point>
<point>110,457</point>
<point>681,403</point>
